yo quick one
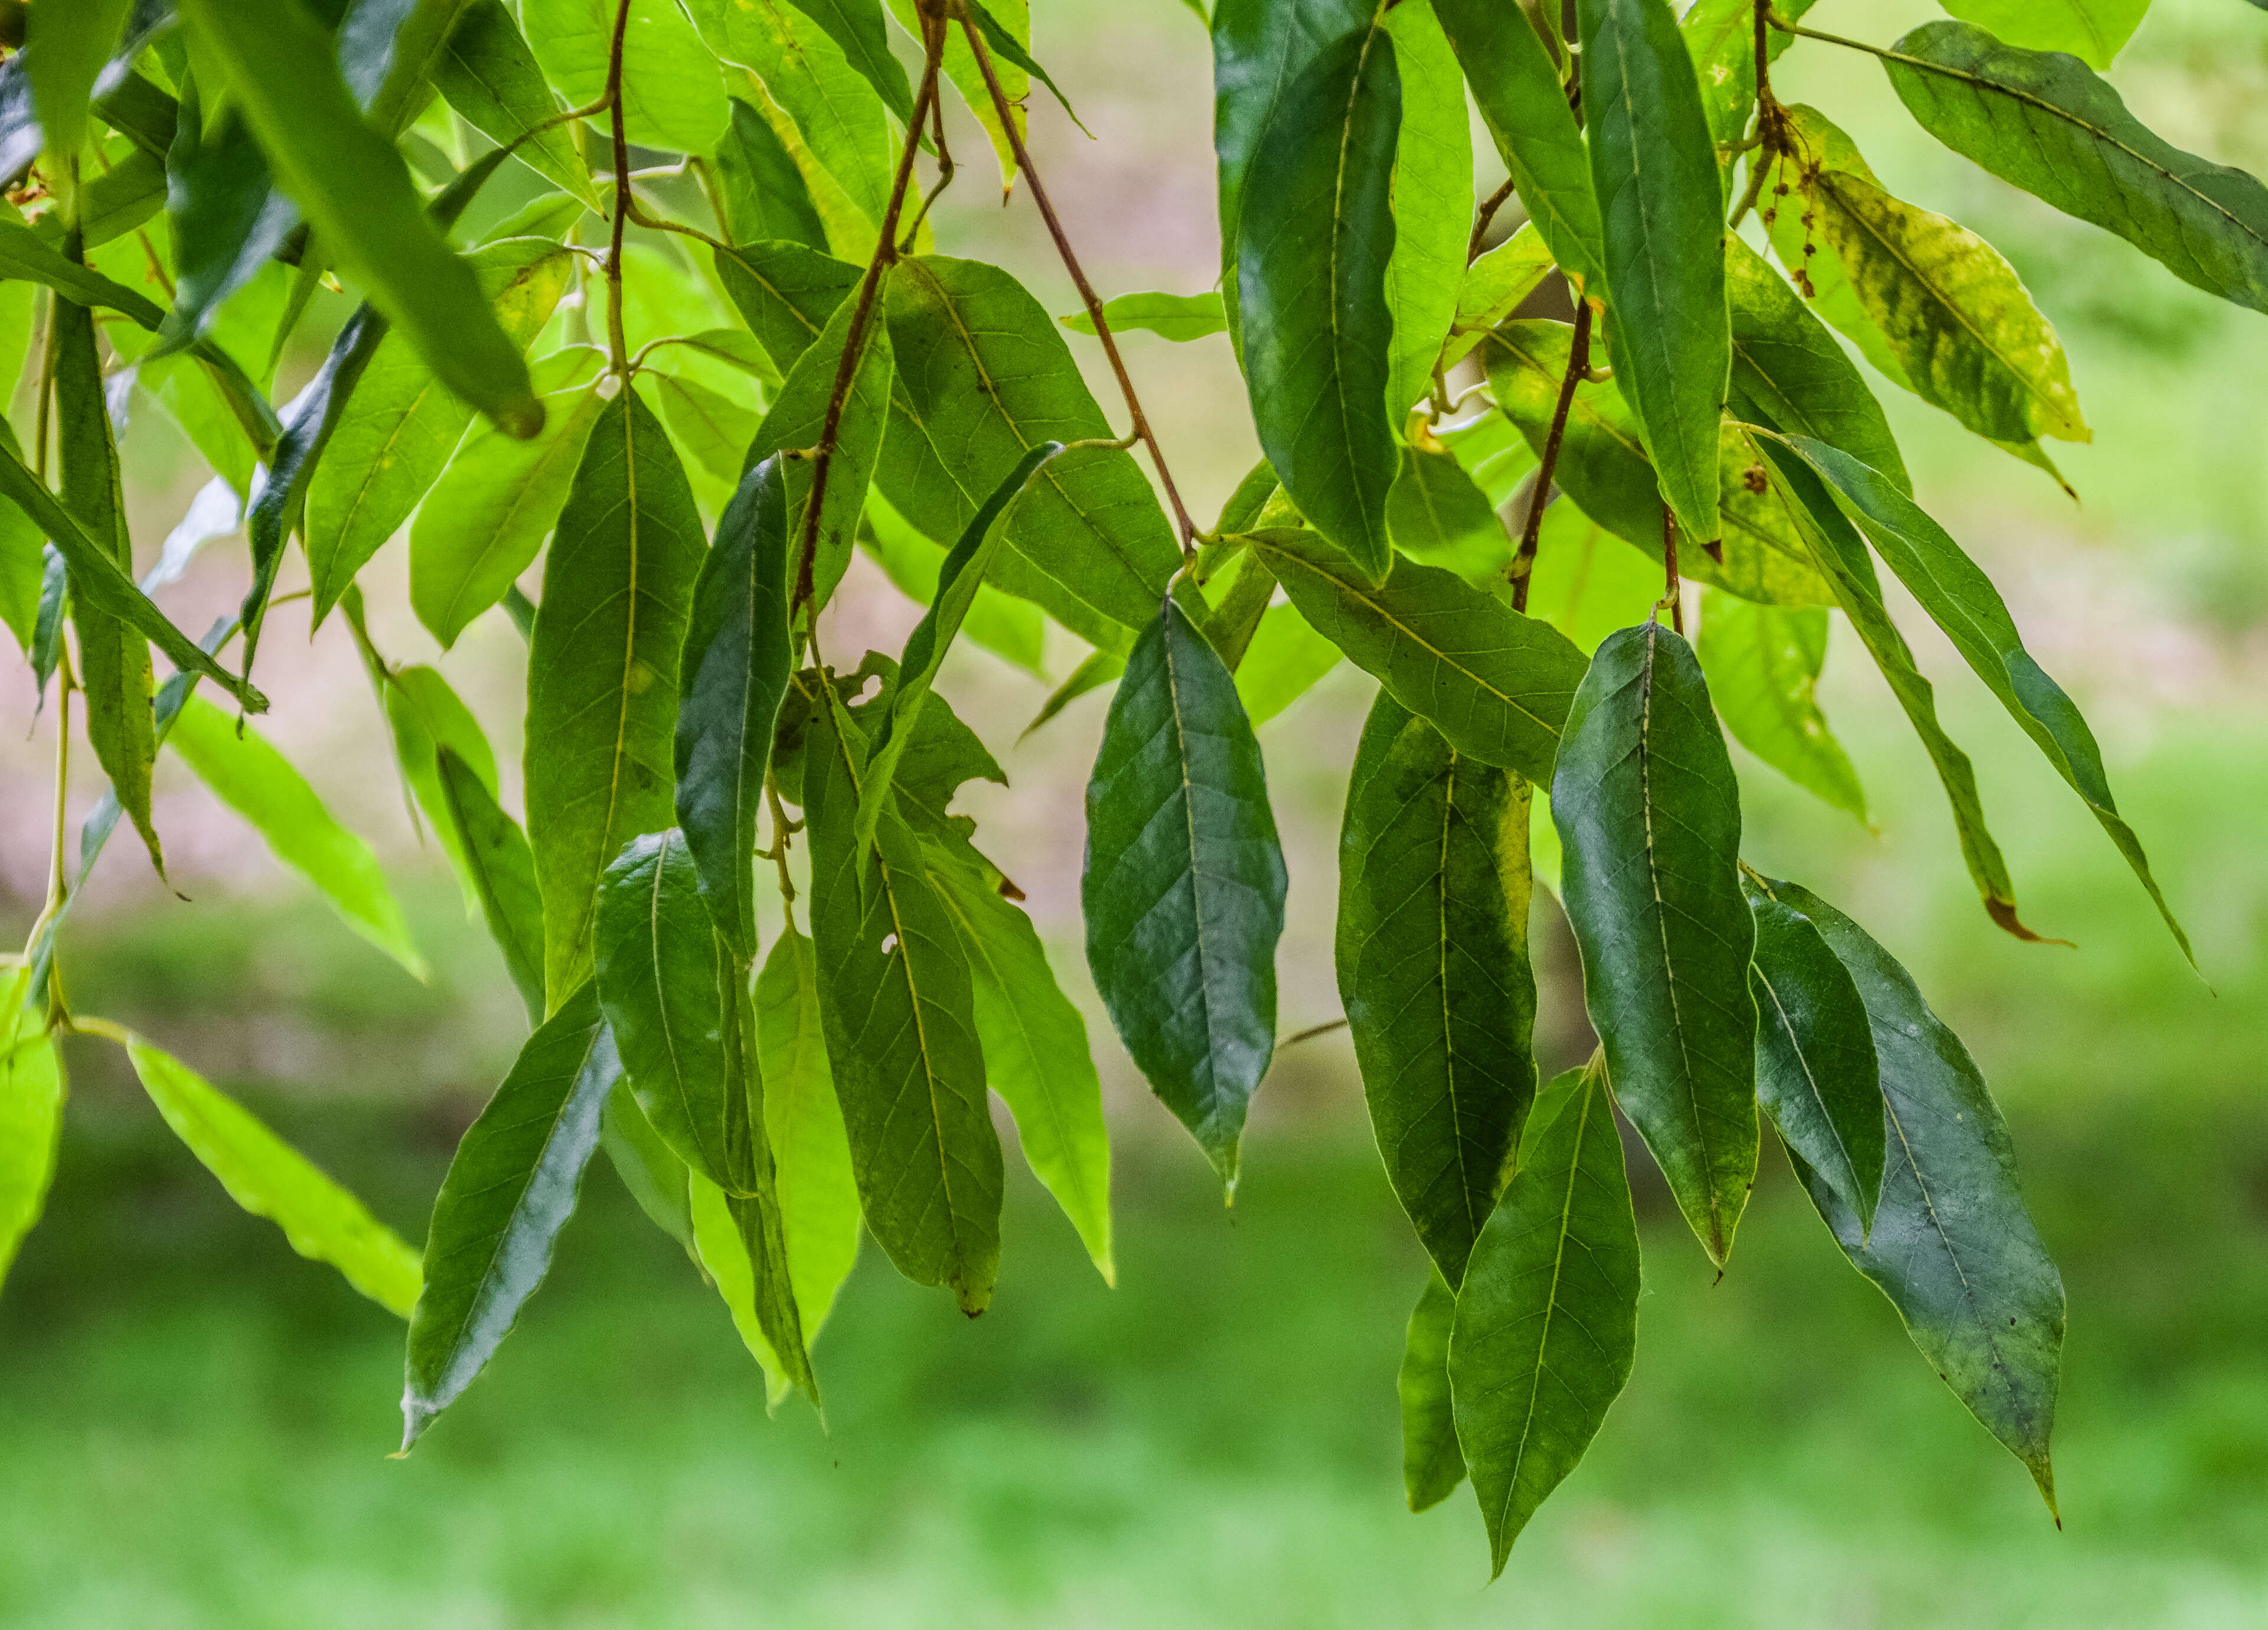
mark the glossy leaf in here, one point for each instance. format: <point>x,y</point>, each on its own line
<point>510,1190</point>
<point>1433,192</point>
<point>672,91</point>
<point>1496,683</point>
<point>1763,664</point>
<point>1547,1322</point>
<point>30,1116</point>
<point>1285,660</point>
<point>1953,1246</point>
<point>503,871</point>
<point>1180,317</point>
<point>1649,820</point>
<point>268,1179</point>
<point>1184,884</point>
<point>618,580</point>
<point>490,76</point>
<point>1432,1465</point>
<point>1433,970</point>
<point>1312,252</point>
<point>818,1192</point>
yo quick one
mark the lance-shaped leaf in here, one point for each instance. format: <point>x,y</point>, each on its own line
<point>1546,1320</point>
<point>1433,192</point>
<point>1313,250</point>
<point>227,218</point>
<point>1184,884</point>
<point>1433,970</point>
<point>1285,660</point>
<point>31,1115</point>
<point>1952,315</point>
<point>764,194</point>
<point>857,30</point>
<point>1763,664</point>
<point>1516,86</point>
<point>249,775</point>
<point>1011,18</point>
<point>1179,317</point>
<point>1816,1075</point>
<point>503,871</point>
<point>1962,600</point>
<point>818,1190</point>
<point>1655,170</point>
<point>732,681</point>
<point>650,1169</point>
<point>1495,683</point>
<point>25,254</point>
<point>1953,1246</point>
<point>67,47</point>
<point>1432,1465</point>
<point>511,1189</point>
<point>356,193</point>
<point>895,995</point>
<point>424,715</point>
<point>618,581</point>
<point>672,91</point>
<point>957,583</point>
<point>1649,822</point>
<point>982,378</point>
<point>269,1178</point>
<point>2040,119</point>
<point>490,76</point>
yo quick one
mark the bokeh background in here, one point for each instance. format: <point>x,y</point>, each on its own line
<point>194,1422</point>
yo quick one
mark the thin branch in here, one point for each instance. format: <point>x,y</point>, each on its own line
<point>617,346</point>
<point>1006,109</point>
<point>1310,1033</point>
<point>1578,363</point>
<point>1494,202</point>
<point>1671,597</point>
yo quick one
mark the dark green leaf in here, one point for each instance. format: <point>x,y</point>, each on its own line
<point>1184,884</point>
<point>618,580</point>
<point>1169,316</point>
<point>1496,683</point>
<point>511,1189</point>
<point>488,75</point>
<point>1815,1071</point>
<point>1433,970</point>
<point>764,196</point>
<point>227,218</point>
<point>1763,663</point>
<point>1654,171</point>
<point>1953,1246</point>
<point>1649,821</point>
<point>1312,256</point>
<point>856,27</point>
<point>1547,1322</point>
<point>1432,1465</point>
<point>818,1192</point>
<point>503,870</point>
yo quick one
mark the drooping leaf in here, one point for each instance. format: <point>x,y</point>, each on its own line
<point>268,1179</point>
<point>1432,1465</point>
<point>1649,821</point>
<point>1010,49</point>
<point>1433,192</point>
<point>1285,660</point>
<point>249,775</point>
<point>66,46</point>
<point>503,870</point>
<point>1952,1246</point>
<point>1011,18</point>
<point>618,581</point>
<point>227,218</point>
<point>424,715</point>
<point>818,1192</point>
<point>31,1115</point>
<point>1179,317</point>
<point>1433,970</point>
<point>1313,251</point>
<point>1763,663</point>
<point>650,1169</point>
<point>1496,683</point>
<point>895,994</point>
<point>487,73</point>
<point>2091,30</point>
<point>1516,86</point>
<point>857,30</point>
<point>1546,1321</point>
<point>672,91</point>
<point>762,192</point>
<point>1184,884</point>
<point>511,1189</point>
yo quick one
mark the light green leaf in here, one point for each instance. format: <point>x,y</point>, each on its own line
<point>424,715</point>
<point>656,1179</point>
<point>490,76</point>
<point>1494,286</point>
<point>1438,516</point>
<point>1178,317</point>
<point>2091,30</point>
<point>1763,663</point>
<point>1720,37</point>
<point>502,871</point>
<point>1432,201</point>
<point>31,1115</point>
<point>1432,1465</point>
<point>712,432</point>
<point>1014,631</point>
<point>857,28</point>
<point>672,91</point>
<point>1284,660</point>
<point>1586,583</point>
<point>65,47</point>
<point>1011,17</point>
<point>818,1192</point>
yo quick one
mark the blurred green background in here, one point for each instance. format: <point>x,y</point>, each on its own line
<point>194,1422</point>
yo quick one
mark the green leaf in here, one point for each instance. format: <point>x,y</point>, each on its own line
<point>2092,30</point>
<point>30,1116</point>
<point>1962,600</point>
<point>982,378</point>
<point>1586,583</point>
<point>1720,36</point>
<point>1184,884</point>
<point>385,456</point>
<point>25,254</point>
<point>1035,1054</point>
<point>268,1179</point>
<point>1649,819</point>
<point>424,715</point>
<point>656,1179</point>
<point>618,581</point>
<point>226,216</point>
<point>259,782</point>
<point>490,76</point>
<point>502,871</point>
<point>1014,631</point>
<point>1547,1322</point>
<point>1655,170</point>
<point>1496,683</point>
<point>1951,311</point>
<point>895,995</point>
<point>67,47</point>
<point>482,523</point>
<point>2042,121</point>
<point>1516,85</point>
<point>1433,970</point>
<point>720,1245</point>
<point>122,198</point>
<point>856,27</point>
<point>785,293</point>
<point>1953,1246</point>
<point>357,196</point>
<point>1763,664</point>
<point>1433,192</point>
<point>1815,1072</point>
<point>1008,47</point>
<point>1432,1465</point>
<point>1100,669</point>
<point>961,70</point>
<point>1312,252</point>
<point>733,677</point>
<point>1285,660</point>
<point>1494,286</point>
<point>672,91</point>
<point>511,1189</point>
<point>1178,317</point>
<point>818,1192</point>
<point>1440,516</point>
<point>762,192</point>
<point>712,432</point>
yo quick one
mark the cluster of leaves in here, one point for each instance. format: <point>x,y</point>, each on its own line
<point>748,364</point>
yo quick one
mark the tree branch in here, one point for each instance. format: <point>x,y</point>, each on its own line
<point>1579,364</point>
